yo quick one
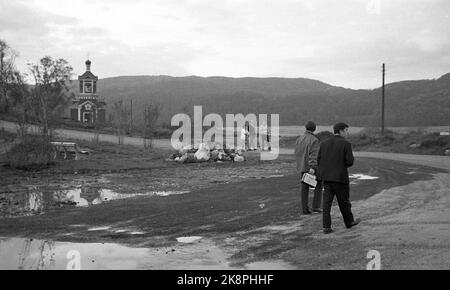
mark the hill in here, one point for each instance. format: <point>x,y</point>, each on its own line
<point>408,103</point>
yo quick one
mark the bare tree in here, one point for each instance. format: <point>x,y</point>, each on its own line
<point>121,119</point>
<point>151,115</point>
<point>7,71</point>
<point>50,90</point>
<point>22,104</point>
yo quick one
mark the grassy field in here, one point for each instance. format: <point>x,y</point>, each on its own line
<point>413,142</point>
<point>291,131</point>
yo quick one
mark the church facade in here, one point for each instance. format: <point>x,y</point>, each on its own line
<point>88,107</point>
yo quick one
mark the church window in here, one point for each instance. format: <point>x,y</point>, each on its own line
<point>88,87</point>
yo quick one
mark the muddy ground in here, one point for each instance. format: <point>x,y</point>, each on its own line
<point>245,215</point>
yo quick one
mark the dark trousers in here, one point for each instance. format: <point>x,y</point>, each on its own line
<point>342,192</point>
<point>317,200</point>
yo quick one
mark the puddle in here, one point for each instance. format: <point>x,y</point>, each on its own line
<point>98,229</point>
<point>23,253</point>
<point>36,201</point>
<point>111,229</point>
<point>273,176</point>
<point>71,196</point>
<point>167,193</point>
<point>34,254</point>
<point>355,178</point>
<point>362,177</point>
<point>269,265</point>
<point>188,240</point>
<point>258,177</point>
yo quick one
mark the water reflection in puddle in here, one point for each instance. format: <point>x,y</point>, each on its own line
<point>33,254</point>
<point>167,193</point>
<point>36,200</point>
<point>258,177</point>
<point>355,178</point>
<point>22,253</point>
<point>98,229</point>
<point>363,177</point>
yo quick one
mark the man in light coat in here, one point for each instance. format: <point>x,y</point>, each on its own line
<point>263,136</point>
<point>252,137</point>
<point>306,152</point>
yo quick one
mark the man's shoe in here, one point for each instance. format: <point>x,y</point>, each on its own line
<point>327,230</point>
<point>307,212</point>
<point>318,210</point>
<point>354,223</point>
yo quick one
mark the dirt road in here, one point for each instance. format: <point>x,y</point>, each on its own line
<point>248,223</point>
<point>442,162</point>
<point>89,136</point>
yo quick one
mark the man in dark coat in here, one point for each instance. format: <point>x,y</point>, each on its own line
<point>335,156</point>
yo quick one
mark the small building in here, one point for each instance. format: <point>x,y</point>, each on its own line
<point>88,107</point>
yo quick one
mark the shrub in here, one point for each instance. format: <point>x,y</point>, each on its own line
<point>387,140</point>
<point>32,153</point>
<point>6,136</point>
<point>361,140</point>
<point>434,140</point>
<point>163,133</point>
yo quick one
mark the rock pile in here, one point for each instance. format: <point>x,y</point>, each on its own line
<point>206,153</point>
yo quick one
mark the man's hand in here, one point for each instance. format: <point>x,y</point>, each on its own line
<point>312,171</point>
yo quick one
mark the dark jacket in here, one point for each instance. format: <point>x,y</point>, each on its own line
<point>306,150</point>
<point>335,155</point>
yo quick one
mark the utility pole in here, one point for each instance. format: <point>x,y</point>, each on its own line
<point>382,102</point>
<point>131,115</point>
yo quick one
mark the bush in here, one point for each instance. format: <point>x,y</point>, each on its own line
<point>6,136</point>
<point>32,153</point>
<point>434,140</point>
<point>362,140</point>
<point>163,133</point>
<point>387,140</point>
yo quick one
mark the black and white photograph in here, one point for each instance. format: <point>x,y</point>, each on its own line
<point>239,136</point>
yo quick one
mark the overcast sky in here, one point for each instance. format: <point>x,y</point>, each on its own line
<point>341,42</point>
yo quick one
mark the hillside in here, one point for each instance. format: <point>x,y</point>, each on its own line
<point>408,103</point>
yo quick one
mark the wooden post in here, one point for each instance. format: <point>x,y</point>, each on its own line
<point>131,116</point>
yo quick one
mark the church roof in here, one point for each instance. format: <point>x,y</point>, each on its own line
<point>88,75</point>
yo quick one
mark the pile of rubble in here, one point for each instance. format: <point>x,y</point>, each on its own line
<point>205,153</point>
